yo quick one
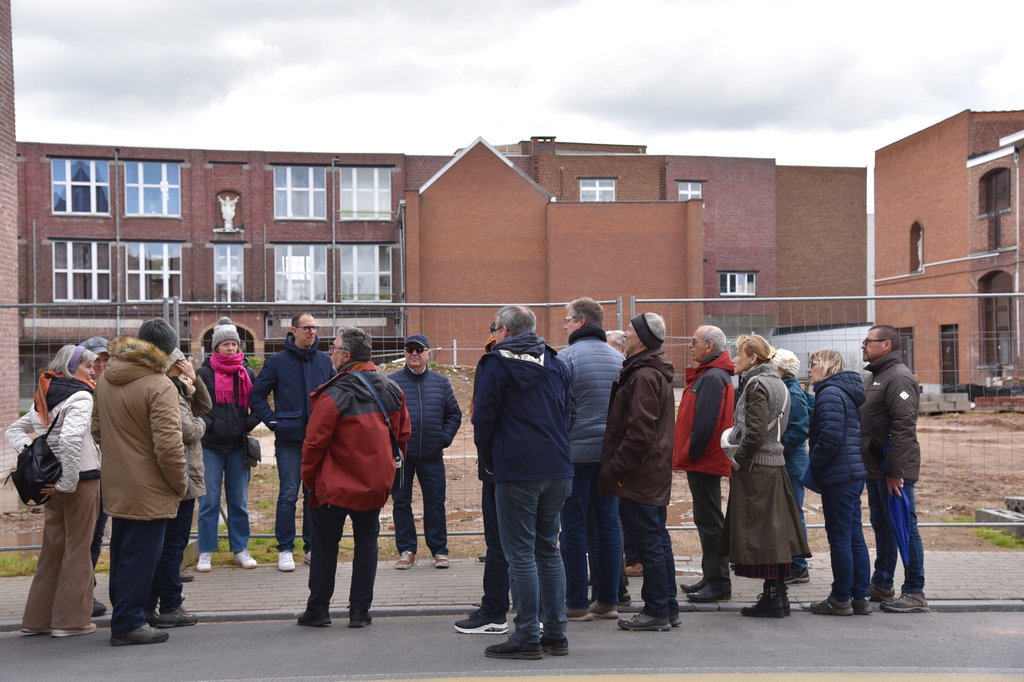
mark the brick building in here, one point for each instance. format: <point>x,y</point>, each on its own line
<point>947,208</point>
<point>106,234</point>
<point>8,220</point>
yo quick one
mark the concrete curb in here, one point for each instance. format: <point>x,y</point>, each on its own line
<point>455,610</point>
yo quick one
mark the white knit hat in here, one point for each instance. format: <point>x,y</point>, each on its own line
<point>225,331</point>
<point>786,361</point>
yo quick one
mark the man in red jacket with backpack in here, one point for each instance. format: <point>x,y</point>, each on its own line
<point>705,411</point>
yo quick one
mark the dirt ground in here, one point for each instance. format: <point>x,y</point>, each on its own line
<point>969,461</point>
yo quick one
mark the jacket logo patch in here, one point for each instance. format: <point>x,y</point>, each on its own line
<point>904,395</point>
<point>875,383</point>
<point>525,356</point>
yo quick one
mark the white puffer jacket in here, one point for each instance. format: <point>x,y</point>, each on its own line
<point>70,439</point>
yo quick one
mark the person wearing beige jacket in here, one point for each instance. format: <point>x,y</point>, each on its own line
<point>137,423</point>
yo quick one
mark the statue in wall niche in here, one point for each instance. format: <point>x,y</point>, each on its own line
<point>227,211</point>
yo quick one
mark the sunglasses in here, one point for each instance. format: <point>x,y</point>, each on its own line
<point>415,351</point>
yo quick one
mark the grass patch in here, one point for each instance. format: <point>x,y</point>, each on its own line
<point>16,563</point>
<point>995,536</point>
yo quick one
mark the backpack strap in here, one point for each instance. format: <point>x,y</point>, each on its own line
<point>396,450</point>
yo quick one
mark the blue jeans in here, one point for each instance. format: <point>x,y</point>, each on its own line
<point>135,548</point>
<point>167,581</point>
<point>328,523</point>
<point>229,467</point>
<point>886,550</point>
<point>799,563</point>
<point>645,526</point>
<point>851,564</point>
<point>528,514</point>
<point>574,540</point>
<point>495,600</point>
<point>289,468</point>
<point>433,483</point>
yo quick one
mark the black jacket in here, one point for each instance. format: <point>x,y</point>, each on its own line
<point>226,424</point>
<point>435,413</point>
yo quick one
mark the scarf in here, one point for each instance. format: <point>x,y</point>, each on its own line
<point>224,366</point>
<point>53,390</point>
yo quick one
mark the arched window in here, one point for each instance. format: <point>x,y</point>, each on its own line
<point>993,201</point>
<point>916,248</point>
<point>997,319</point>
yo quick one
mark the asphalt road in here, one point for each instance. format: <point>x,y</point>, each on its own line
<point>907,647</point>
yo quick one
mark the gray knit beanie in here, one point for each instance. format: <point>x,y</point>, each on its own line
<point>225,331</point>
<point>159,333</point>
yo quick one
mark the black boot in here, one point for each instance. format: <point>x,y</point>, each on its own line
<point>784,594</point>
<point>769,603</point>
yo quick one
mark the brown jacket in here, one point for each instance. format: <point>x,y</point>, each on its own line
<point>137,422</point>
<point>193,428</point>
<point>636,458</point>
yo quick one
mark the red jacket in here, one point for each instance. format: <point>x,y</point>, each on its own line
<point>347,457</point>
<point>705,411</point>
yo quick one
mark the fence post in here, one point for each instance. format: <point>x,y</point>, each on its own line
<point>618,312</point>
<point>455,351</point>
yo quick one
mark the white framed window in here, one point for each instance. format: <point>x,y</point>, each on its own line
<point>690,190</point>
<point>80,186</point>
<point>81,271</point>
<point>153,271</point>
<point>365,272</point>
<point>152,188</point>
<point>227,273</point>
<point>737,283</point>
<point>365,193</point>
<point>300,272</point>
<point>597,189</point>
<point>300,192</point>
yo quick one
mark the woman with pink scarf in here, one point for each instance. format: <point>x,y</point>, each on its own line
<point>229,381</point>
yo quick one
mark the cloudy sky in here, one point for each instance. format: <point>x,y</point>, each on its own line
<point>802,82</point>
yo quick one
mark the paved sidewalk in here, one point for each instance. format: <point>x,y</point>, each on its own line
<point>957,581</point>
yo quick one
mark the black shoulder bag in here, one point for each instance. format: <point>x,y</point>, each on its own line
<point>396,451</point>
<point>37,467</point>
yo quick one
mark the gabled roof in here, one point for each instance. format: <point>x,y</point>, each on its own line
<point>465,150</point>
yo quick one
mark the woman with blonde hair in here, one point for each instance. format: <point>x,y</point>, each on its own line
<point>762,522</point>
<point>60,598</point>
<point>836,467</point>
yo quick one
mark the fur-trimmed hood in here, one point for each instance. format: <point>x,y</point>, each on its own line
<point>131,358</point>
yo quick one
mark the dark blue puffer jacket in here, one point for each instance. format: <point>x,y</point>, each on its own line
<point>291,375</point>
<point>594,366</point>
<point>521,413</point>
<point>835,440</point>
<point>435,413</point>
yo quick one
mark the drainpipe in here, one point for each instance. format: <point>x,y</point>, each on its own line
<point>35,281</point>
<point>117,242</point>
<point>1016,287</point>
<point>334,241</point>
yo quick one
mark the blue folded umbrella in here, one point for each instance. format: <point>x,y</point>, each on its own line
<point>899,519</point>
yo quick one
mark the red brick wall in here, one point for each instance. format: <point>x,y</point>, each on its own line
<point>821,242</point>
<point>637,177</point>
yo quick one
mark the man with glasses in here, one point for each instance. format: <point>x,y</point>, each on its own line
<point>594,366</point>
<point>291,375</point>
<point>705,412</point>
<point>521,428</point>
<point>348,462</point>
<point>888,424</point>
<point>436,418</point>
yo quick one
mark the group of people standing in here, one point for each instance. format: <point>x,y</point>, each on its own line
<point>576,452</point>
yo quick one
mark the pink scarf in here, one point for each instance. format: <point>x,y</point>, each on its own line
<point>224,366</point>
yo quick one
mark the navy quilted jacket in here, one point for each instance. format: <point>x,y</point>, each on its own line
<point>435,413</point>
<point>835,440</point>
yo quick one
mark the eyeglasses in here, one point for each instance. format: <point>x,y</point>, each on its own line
<point>331,348</point>
<point>415,351</point>
<point>309,328</point>
<point>574,317</point>
<point>867,341</point>
<point>695,341</point>
<point>813,363</point>
<point>496,328</point>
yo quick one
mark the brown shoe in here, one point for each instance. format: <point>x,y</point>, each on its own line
<point>406,562</point>
<point>634,570</point>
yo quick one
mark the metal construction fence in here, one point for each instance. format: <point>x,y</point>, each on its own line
<point>965,350</point>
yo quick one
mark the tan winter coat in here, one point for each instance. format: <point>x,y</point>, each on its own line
<point>193,401</point>
<point>137,422</point>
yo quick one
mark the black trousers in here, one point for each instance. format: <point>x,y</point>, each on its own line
<point>327,524</point>
<point>706,491</point>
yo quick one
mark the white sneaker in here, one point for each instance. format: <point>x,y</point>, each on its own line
<point>244,559</point>
<point>204,565</point>
<point>308,557</point>
<point>285,562</point>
